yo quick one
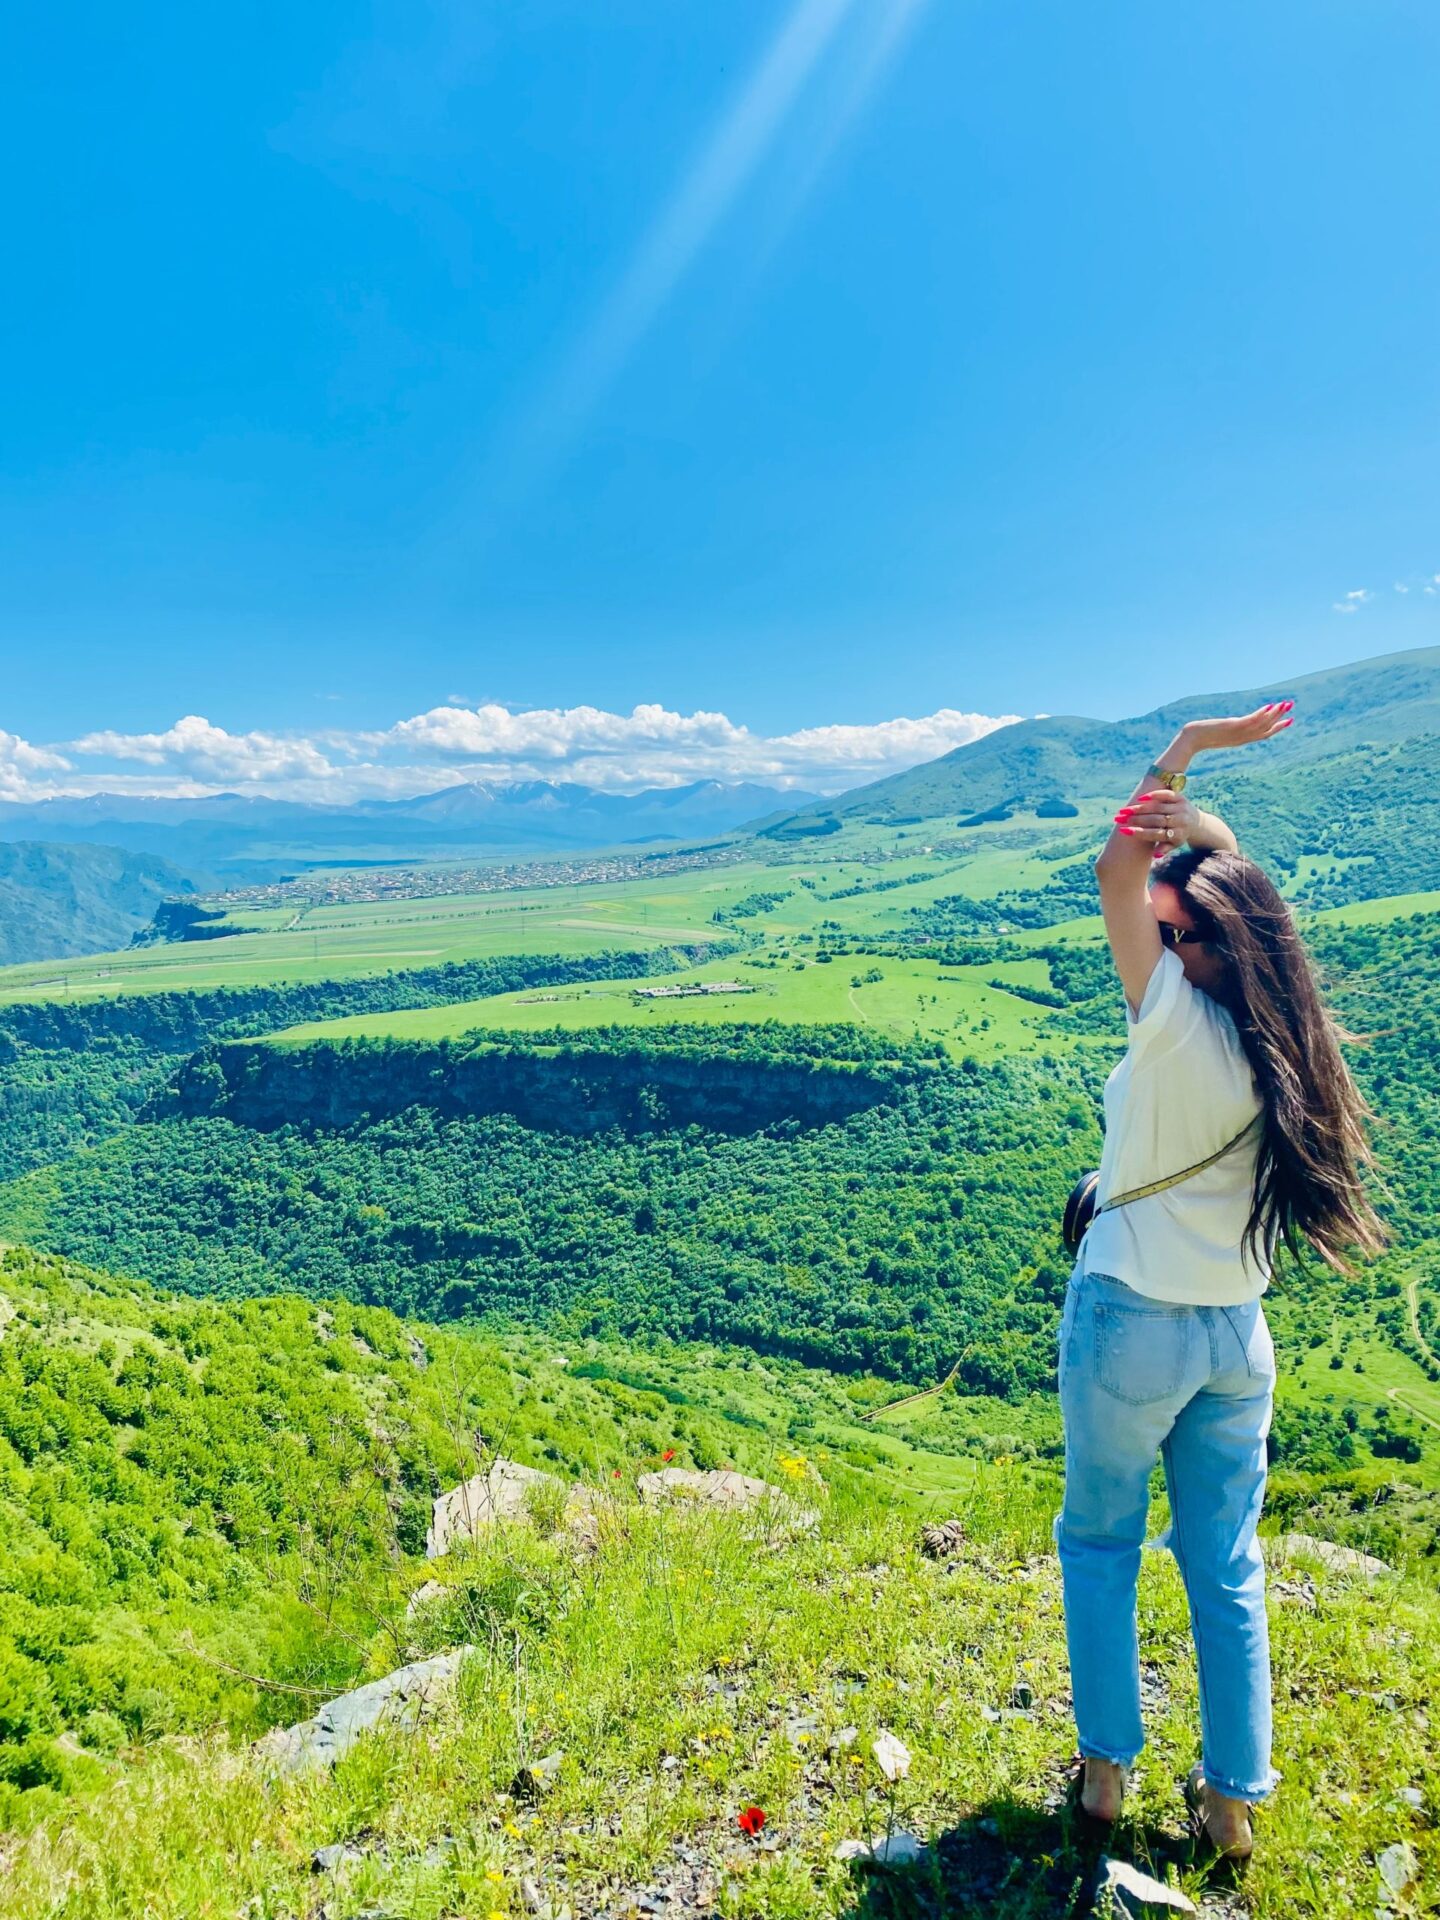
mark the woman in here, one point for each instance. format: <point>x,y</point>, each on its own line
<point>1233,1078</point>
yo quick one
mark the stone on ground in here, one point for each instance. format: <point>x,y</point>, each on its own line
<point>501,1492</point>
<point>401,1699</point>
<point>1328,1552</point>
<point>726,1489</point>
<point>899,1849</point>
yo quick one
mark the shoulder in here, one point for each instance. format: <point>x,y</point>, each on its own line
<point>1165,1006</point>
<point>1175,1014</point>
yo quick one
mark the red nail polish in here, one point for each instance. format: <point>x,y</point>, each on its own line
<point>1127,829</point>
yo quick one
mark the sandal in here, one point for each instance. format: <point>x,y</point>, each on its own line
<point>1074,1799</point>
<point>1200,1833</point>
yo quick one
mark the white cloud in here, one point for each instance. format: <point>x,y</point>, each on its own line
<point>1354,600</point>
<point>20,763</point>
<point>651,746</point>
<point>554,733</point>
<point>205,752</point>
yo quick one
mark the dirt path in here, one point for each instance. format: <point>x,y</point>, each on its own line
<point>1412,1301</point>
<point>1397,1394</point>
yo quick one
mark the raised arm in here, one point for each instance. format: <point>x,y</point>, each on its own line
<point>1155,822</point>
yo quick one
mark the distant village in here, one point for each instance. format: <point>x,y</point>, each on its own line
<point>358,885</point>
<point>695,990</point>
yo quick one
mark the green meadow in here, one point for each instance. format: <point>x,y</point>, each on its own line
<point>307,943</point>
<point>955,1005</point>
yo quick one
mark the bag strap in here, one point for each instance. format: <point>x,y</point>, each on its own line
<point>1174,1179</point>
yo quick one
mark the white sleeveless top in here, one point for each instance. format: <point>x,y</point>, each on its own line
<point>1182,1091</point>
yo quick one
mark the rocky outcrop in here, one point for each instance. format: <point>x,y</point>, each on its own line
<point>725,1489</point>
<point>571,1090</point>
<point>503,1491</point>
<point>1329,1553</point>
<point>401,1699</point>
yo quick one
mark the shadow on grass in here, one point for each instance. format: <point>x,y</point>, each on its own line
<point>1014,1862</point>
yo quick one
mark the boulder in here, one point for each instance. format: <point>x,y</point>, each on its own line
<point>501,1492</point>
<point>1328,1552</point>
<point>401,1699</point>
<point>724,1488</point>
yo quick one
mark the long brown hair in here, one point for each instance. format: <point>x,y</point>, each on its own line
<point>1313,1142</point>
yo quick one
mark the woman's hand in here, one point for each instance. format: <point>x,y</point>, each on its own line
<point>1241,730</point>
<point>1164,819</point>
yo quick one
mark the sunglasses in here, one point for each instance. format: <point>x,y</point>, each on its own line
<point>1171,936</point>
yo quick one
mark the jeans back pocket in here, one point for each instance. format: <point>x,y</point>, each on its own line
<point>1141,1353</point>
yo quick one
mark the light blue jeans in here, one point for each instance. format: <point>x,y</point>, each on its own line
<point>1196,1384</point>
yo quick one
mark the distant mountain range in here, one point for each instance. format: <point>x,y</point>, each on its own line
<point>229,836</point>
<point>82,875</point>
<point>57,900</point>
<point>1064,758</point>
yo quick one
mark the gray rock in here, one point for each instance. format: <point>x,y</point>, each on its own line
<point>535,1900</point>
<point>401,1699</point>
<point>899,1849</point>
<point>501,1492</point>
<point>1399,1869</point>
<point>726,1489</point>
<point>1328,1552</point>
<point>429,1590</point>
<point>1134,1895</point>
<point>333,1858</point>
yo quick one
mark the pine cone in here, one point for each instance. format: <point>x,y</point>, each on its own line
<point>942,1539</point>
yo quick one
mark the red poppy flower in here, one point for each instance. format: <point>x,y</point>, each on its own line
<point>615,1473</point>
<point>752,1820</point>
<point>668,1454</point>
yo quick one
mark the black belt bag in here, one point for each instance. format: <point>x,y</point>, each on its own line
<point>1080,1208</point>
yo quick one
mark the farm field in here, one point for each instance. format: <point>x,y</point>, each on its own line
<point>800,893</point>
<point>410,934</point>
<point>1377,913</point>
<point>907,998</point>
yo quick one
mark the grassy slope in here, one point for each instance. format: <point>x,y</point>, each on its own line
<point>674,1695</point>
<point>685,1673</point>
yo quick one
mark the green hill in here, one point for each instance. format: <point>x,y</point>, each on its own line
<point>61,900</point>
<point>215,1513</point>
<point>1372,702</point>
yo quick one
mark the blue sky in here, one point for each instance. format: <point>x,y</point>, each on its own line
<point>800,364</point>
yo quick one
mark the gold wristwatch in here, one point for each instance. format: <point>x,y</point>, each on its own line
<point>1174,781</point>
